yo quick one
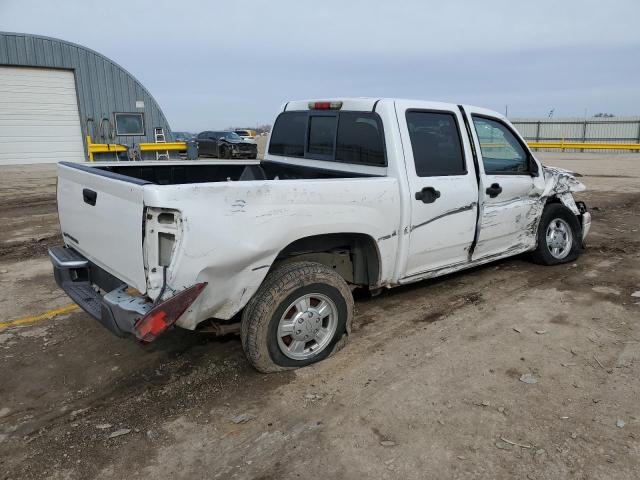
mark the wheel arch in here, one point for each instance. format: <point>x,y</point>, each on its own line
<point>355,256</point>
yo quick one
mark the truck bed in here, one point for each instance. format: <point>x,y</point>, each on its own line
<point>179,173</point>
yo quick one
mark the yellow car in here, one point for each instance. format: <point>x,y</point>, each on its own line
<point>247,134</point>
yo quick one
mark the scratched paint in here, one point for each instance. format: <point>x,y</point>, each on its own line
<point>466,208</point>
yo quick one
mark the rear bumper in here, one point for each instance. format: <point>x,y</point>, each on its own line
<point>97,292</point>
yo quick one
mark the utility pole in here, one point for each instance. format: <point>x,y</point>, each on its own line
<point>506,111</point>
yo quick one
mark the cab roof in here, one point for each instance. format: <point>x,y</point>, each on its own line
<point>367,104</point>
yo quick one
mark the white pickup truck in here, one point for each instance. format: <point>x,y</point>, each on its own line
<point>369,193</point>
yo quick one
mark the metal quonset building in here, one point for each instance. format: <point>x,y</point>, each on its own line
<point>54,93</point>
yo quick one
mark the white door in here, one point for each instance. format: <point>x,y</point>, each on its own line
<point>511,183</point>
<point>39,119</point>
<point>443,187</point>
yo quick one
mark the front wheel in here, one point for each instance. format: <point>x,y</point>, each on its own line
<point>559,236</point>
<point>298,316</point>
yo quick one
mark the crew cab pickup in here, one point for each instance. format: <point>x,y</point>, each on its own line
<point>352,193</point>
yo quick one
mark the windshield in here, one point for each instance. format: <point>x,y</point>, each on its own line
<point>232,136</point>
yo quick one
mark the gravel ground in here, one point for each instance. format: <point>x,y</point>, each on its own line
<point>430,385</point>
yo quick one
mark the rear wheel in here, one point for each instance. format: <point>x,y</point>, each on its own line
<point>558,236</point>
<point>299,316</point>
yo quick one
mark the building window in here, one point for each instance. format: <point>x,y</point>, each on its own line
<point>129,123</point>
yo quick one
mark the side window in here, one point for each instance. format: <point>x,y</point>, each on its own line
<point>501,150</point>
<point>287,136</point>
<point>436,143</point>
<point>322,134</point>
<point>202,136</point>
<point>360,139</point>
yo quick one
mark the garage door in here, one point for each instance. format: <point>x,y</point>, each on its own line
<point>39,119</point>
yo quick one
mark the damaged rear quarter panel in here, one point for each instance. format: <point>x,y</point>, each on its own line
<point>233,231</point>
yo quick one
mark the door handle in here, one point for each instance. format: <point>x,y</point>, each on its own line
<point>89,196</point>
<point>494,190</point>
<point>428,195</point>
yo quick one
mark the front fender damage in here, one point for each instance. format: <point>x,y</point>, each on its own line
<point>561,184</point>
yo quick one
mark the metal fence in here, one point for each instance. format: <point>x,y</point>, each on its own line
<point>591,130</point>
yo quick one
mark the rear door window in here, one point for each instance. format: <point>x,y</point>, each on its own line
<point>436,143</point>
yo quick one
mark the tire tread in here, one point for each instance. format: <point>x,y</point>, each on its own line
<point>276,286</point>
<point>541,255</point>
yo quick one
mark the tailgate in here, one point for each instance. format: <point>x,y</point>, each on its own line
<point>101,216</point>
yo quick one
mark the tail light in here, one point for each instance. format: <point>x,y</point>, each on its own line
<point>325,105</point>
<point>162,316</point>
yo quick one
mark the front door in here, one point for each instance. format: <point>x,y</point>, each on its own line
<point>443,187</point>
<point>511,184</point>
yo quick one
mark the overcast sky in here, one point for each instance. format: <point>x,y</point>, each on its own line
<point>233,63</point>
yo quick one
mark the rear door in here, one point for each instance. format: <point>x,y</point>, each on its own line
<point>101,216</point>
<point>443,186</point>
<point>510,187</point>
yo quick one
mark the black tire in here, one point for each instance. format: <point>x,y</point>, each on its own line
<point>223,152</point>
<point>542,255</point>
<point>259,326</point>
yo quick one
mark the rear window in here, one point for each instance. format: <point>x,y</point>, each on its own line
<point>360,139</point>
<point>322,135</point>
<point>436,143</point>
<point>346,137</point>
<point>287,137</point>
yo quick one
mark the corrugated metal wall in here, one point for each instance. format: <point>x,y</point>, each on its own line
<point>103,87</point>
<point>610,130</point>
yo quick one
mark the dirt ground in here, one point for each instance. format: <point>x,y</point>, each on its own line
<point>428,387</point>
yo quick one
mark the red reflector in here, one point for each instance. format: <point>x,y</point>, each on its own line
<point>325,105</point>
<point>162,316</point>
